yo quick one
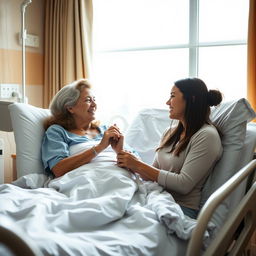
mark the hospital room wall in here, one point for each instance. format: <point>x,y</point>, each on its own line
<point>11,59</point>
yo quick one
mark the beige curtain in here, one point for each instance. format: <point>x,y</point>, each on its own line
<point>251,68</point>
<point>68,44</point>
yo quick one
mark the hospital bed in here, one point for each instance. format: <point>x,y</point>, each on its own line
<point>226,220</point>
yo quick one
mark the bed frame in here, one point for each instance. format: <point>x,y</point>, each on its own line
<point>237,230</point>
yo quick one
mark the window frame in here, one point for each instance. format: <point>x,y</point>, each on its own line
<point>193,45</point>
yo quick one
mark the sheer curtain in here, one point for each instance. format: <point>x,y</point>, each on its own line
<point>252,55</point>
<point>68,43</point>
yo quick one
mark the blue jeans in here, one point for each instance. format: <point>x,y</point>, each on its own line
<point>192,213</point>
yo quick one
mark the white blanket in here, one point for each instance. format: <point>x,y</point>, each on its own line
<point>96,209</point>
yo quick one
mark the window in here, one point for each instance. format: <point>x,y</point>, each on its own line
<point>142,46</point>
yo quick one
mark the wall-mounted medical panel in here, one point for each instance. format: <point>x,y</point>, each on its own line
<point>9,90</point>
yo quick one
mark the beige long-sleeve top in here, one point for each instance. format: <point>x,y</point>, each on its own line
<point>185,175</point>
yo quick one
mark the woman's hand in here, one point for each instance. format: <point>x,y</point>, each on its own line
<point>126,159</point>
<point>118,144</point>
<point>110,135</point>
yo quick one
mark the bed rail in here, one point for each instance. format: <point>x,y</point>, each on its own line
<point>245,213</point>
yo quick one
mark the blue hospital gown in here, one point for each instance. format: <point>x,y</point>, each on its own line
<point>57,141</point>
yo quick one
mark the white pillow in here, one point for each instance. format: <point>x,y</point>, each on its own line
<point>236,160</point>
<point>228,117</point>
<point>231,119</point>
<point>27,123</point>
<point>144,133</point>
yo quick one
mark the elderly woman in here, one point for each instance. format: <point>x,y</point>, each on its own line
<point>73,121</point>
<point>188,153</point>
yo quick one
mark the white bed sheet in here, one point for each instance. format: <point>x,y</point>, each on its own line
<point>97,209</point>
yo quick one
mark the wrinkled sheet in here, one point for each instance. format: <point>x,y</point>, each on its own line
<point>97,209</point>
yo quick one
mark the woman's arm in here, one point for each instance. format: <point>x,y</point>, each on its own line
<point>72,162</point>
<point>55,150</point>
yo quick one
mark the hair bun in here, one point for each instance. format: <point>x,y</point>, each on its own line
<point>214,97</point>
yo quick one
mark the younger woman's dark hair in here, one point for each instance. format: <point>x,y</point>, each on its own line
<point>197,110</point>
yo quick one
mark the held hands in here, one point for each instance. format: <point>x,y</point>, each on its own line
<point>112,136</point>
<point>118,144</point>
<point>126,159</point>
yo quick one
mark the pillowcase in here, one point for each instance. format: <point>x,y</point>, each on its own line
<point>231,119</point>
<point>27,123</point>
<point>228,117</point>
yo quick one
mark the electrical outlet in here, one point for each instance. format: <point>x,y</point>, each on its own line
<point>31,40</point>
<point>7,90</point>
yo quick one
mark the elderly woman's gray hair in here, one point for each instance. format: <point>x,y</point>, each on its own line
<point>66,97</point>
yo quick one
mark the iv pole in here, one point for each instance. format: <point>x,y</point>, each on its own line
<point>23,37</point>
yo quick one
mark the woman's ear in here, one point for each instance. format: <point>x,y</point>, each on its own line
<point>70,110</point>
